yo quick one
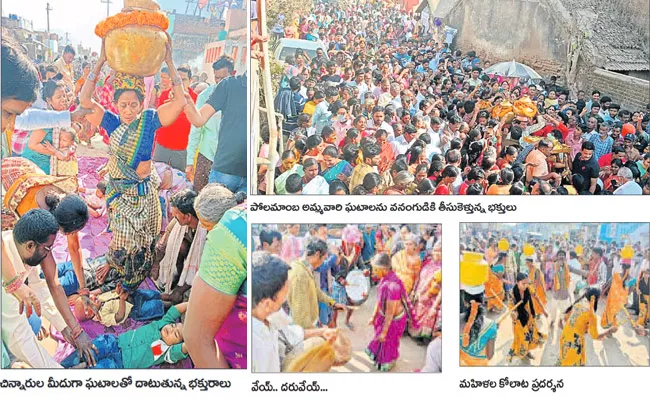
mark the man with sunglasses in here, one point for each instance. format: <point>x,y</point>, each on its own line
<point>25,247</point>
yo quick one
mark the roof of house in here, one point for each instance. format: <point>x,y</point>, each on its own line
<point>618,41</point>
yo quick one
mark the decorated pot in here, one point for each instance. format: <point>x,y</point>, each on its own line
<point>135,39</point>
<point>474,270</point>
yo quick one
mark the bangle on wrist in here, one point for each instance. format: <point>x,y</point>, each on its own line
<point>10,281</point>
<point>177,81</point>
<point>14,286</point>
<point>15,283</point>
<point>92,77</point>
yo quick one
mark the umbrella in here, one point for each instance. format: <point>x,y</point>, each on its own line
<point>513,69</point>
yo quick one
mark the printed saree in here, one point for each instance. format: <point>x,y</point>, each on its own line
<point>134,213</point>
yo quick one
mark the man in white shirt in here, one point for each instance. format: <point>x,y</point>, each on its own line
<point>435,131</point>
<point>628,185</point>
<point>592,129</point>
<point>452,157</point>
<point>575,268</point>
<point>273,334</point>
<point>395,89</point>
<point>23,249</point>
<point>404,142</point>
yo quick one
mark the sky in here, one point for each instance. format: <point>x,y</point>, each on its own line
<point>77,17</point>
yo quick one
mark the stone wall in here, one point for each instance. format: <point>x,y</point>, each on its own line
<point>500,30</point>
<point>632,93</point>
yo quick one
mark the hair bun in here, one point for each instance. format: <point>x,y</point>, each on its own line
<point>52,201</point>
<point>240,197</point>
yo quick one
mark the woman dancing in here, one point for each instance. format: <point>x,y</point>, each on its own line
<point>526,335</point>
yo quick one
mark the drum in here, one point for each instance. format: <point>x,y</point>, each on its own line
<point>357,287</point>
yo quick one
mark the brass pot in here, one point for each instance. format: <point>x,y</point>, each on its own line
<point>136,50</point>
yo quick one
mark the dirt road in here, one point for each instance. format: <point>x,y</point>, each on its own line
<point>624,348</point>
<point>412,355</point>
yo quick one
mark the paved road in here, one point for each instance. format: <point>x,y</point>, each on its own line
<point>412,354</point>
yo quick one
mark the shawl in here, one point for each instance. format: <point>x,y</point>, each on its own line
<point>191,264</point>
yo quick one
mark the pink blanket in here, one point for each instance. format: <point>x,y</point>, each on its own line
<point>93,237</point>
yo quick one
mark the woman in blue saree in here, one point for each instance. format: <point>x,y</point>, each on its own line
<point>336,168</point>
<point>134,213</point>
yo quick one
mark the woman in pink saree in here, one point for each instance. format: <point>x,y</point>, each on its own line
<point>426,296</point>
<point>390,316</point>
<point>104,95</point>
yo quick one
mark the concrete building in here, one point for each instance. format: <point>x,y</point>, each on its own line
<point>35,43</point>
<point>588,44</point>
<point>190,35</point>
<point>232,41</point>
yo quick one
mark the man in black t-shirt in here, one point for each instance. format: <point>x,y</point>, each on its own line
<point>332,79</point>
<point>585,164</point>
<point>229,97</point>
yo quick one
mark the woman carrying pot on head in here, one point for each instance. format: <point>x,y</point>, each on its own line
<point>134,212</point>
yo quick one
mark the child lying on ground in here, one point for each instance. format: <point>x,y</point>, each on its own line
<point>149,345</point>
<point>96,200</point>
<point>109,309</point>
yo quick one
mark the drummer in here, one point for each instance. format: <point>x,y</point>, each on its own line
<point>350,252</point>
<point>339,288</point>
<point>270,283</point>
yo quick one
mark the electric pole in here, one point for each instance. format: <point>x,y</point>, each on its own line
<point>108,7</point>
<point>48,9</point>
<point>187,9</point>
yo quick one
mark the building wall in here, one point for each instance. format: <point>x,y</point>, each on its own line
<point>502,30</point>
<point>632,93</point>
<point>237,47</point>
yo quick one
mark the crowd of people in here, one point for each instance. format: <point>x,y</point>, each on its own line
<point>561,284</point>
<point>302,282</point>
<point>174,221</point>
<point>385,105</point>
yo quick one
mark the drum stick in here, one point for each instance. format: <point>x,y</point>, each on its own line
<point>505,315</point>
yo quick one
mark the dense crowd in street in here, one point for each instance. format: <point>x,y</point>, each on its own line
<point>386,105</point>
